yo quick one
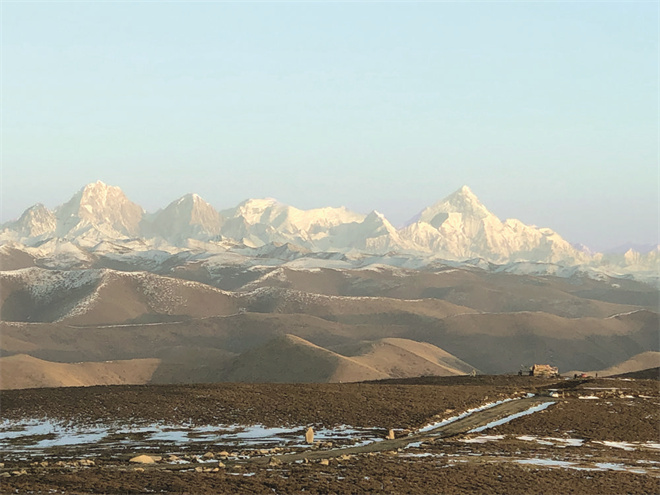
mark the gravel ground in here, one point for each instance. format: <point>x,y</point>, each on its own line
<point>451,465</point>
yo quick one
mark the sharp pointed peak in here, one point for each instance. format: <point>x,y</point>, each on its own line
<point>99,188</point>
<point>99,184</point>
<point>463,197</point>
<point>376,214</point>
<point>463,191</point>
<point>190,197</point>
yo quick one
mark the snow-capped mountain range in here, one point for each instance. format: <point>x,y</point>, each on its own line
<point>459,227</point>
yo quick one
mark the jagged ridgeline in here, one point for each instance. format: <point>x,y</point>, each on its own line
<point>100,219</point>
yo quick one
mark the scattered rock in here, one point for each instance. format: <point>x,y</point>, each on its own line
<point>42,464</point>
<point>209,455</point>
<point>173,458</point>
<point>309,435</point>
<point>264,451</point>
<point>221,465</point>
<point>2,464</point>
<point>138,470</point>
<point>324,462</point>
<point>390,435</point>
<point>143,459</point>
<point>274,461</point>
<point>199,469</point>
<point>224,453</point>
<point>215,470</point>
<point>5,475</point>
<point>19,473</point>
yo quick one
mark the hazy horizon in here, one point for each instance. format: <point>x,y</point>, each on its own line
<point>547,111</point>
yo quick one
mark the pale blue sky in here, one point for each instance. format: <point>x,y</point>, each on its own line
<point>548,111</point>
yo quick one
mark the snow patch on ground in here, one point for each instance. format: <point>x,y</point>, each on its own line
<point>45,433</point>
<point>482,439</point>
<point>447,421</point>
<point>531,410</point>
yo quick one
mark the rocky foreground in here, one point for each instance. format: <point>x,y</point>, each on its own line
<point>446,435</point>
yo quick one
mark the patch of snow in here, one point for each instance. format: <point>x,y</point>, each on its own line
<point>618,467</point>
<point>568,442</point>
<point>65,434</point>
<point>467,413</point>
<point>482,439</point>
<point>617,445</point>
<point>546,462</point>
<point>531,410</point>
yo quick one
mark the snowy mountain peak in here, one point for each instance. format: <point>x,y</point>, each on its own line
<point>99,207</point>
<point>189,198</point>
<point>376,215</point>
<point>458,227</point>
<point>463,201</point>
<point>34,222</point>
<point>258,204</point>
<point>185,218</point>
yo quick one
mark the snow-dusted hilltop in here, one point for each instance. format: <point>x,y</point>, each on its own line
<point>101,219</point>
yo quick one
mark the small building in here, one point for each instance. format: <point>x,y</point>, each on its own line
<point>544,370</point>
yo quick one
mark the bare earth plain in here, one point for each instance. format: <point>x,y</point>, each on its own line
<point>454,435</point>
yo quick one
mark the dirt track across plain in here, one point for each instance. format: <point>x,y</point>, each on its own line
<point>458,427</point>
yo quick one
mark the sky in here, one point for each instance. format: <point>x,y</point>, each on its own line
<point>547,110</point>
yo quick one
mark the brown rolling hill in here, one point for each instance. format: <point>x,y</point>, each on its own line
<point>274,300</point>
<point>498,343</point>
<point>639,362</point>
<point>14,258</point>
<point>482,291</point>
<point>92,297</point>
<point>647,374</point>
<point>22,371</point>
<point>291,359</point>
<point>492,343</point>
<point>285,359</point>
<point>403,358</point>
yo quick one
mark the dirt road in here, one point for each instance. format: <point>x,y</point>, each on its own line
<point>458,427</point>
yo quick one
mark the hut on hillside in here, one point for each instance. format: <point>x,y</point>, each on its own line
<point>544,370</point>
